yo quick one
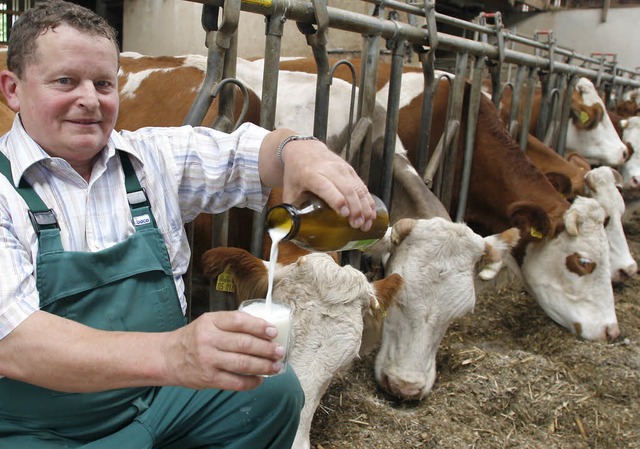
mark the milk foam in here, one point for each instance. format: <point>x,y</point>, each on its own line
<point>276,314</point>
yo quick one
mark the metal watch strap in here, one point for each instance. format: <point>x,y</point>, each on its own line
<point>286,141</point>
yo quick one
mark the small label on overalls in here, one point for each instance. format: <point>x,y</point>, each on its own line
<point>142,220</point>
<point>225,281</point>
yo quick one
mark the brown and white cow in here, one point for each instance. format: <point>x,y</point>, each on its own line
<point>602,184</point>
<point>590,131</point>
<point>329,304</point>
<point>437,290</point>
<point>6,118</point>
<point>629,104</point>
<point>629,130</point>
<point>506,190</point>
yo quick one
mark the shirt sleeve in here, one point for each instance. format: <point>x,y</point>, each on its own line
<point>18,294</point>
<point>212,171</point>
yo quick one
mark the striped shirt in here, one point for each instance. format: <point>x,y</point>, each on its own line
<point>184,171</point>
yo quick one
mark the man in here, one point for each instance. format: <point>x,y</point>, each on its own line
<point>94,347</point>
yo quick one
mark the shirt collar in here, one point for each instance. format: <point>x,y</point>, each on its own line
<point>24,152</point>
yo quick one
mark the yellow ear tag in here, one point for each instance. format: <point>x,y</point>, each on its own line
<point>584,117</point>
<point>535,233</point>
<point>225,281</point>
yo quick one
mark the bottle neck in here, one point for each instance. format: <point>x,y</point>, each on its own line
<point>278,217</point>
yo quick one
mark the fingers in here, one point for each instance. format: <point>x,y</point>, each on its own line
<point>225,350</point>
<point>331,178</point>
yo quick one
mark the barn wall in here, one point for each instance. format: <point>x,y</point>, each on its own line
<point>172,27</point>
<point>583,31</point>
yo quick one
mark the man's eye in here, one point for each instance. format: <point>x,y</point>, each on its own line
<point>103,84</point>
<point>64,81</point>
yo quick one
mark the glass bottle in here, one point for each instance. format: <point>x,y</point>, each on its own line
<point>314,226</point>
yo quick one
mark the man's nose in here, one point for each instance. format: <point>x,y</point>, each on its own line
<point>88,95</point>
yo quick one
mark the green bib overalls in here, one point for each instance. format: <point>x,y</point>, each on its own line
<point>130,287</point>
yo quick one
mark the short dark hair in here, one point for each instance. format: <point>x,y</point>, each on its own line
<point>45,16</point>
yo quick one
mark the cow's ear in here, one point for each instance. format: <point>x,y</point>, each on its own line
<point>561,183</point>
<point>401,229</point>
<point>579,161</point>
<point>586,117</point>
<point>617,178</point>
<point>237,271</point>
<point>386,291</point>
<point>497,247</point>
<point>531,219</point>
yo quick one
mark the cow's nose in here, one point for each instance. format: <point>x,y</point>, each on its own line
<point>612,331</point>
<point>626,154</point>
<point>625,273</point>
<point>404,389</point>
<point>634,183</point>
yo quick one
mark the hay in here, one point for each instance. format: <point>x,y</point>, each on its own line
<point>508,377</point>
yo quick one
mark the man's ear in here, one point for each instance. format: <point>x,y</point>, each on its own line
<point>9,87</point>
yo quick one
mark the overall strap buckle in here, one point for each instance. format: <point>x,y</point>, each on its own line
<point>43,220</point>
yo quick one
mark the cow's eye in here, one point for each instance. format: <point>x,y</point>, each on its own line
<point>580,265</point>
<point>583,261</point>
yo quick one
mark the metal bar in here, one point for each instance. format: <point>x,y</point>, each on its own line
<point>565,115</point>
<point>514,113</point>
<point>273,44</point>
<point>449,160</point>
<point>470,136</point>
<point>391,124</point>
<point>300,11</point>
<point>426,113</point>
<point>527,107</point>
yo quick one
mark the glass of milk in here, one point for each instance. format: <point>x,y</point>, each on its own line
<point>277,313</point>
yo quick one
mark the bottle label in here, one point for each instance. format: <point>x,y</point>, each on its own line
<point>358,244</point>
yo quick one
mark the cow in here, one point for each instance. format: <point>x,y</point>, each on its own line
<point>590,131</point>
<point>602,184</point>
<point>329,304</point>
<point>6,118</point>
<point>629,104</point>
<point>416,322</point>
<point>565,173</point>
<point>507,189</point>
<point>629,130</point>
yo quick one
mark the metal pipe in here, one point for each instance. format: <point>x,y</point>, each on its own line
<point>300,11</point>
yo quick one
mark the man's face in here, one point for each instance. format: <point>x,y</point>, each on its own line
<point>68,100</point>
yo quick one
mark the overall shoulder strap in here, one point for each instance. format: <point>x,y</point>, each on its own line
<point>138,201</point>
<point>41,216</point>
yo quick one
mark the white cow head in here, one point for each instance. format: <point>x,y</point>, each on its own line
<point>631,137</point>
<point>602,185</point>
<point>570,276</point>
<point>329,304</point>
<point>590,131</point>
<point>437,259</point>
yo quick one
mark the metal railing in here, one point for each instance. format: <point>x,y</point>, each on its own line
<point>484,50</point>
